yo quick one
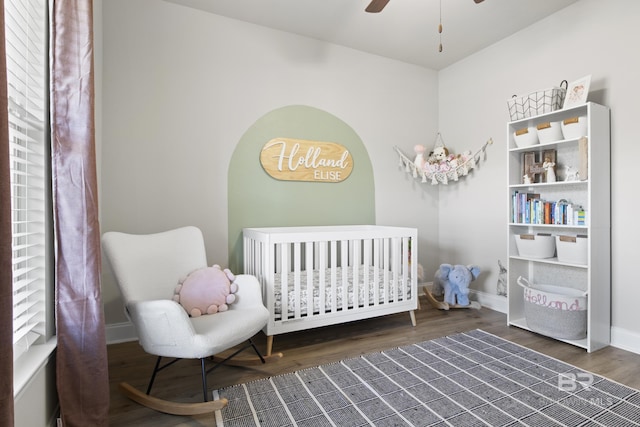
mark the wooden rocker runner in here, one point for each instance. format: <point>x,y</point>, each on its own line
<point>168,407</point>
<point>441,305</point>
<point>196,408</point>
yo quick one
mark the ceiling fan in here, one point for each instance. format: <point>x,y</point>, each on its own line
<point>377,5</point>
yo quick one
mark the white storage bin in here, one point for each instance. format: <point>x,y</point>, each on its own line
<point>549,132</point>
<point>555,311</point>
<point>535,245</point>
<point>525,137</point>
<point>572,249</point>
<point>574,127</point>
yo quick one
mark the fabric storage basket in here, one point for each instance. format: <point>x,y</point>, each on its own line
<point>535,245</point>
<point>555,311</point>
<point>572,249</point>
<point>538,102</point>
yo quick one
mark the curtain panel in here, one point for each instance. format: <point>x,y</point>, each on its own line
<point>82,368</point>
<point>6,280</point>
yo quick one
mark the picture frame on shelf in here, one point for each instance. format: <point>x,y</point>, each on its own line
<point>577,92</point>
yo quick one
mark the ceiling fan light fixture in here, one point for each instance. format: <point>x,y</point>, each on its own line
<point>376,6</point>
<point>440,28</point>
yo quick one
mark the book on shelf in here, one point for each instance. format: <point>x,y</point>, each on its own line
<point>529,208</point>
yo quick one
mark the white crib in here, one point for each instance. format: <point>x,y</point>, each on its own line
<point>351,272</point>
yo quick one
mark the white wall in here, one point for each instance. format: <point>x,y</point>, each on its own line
<point>36,404</point>
<point>181,86</point>
<point>589,37</point>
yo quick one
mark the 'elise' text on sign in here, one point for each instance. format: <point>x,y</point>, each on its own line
<point>291,159</point>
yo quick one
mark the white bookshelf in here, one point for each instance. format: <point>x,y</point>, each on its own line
<point>593,194</point>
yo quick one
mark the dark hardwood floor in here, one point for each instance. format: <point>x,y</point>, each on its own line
<point>181,382</point>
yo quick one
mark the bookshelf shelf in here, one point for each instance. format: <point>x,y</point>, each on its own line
<point>542,226</point>
<point>575,205</point>
<point>553,260</point>
<point>546,145</point>
<point>550,184</point>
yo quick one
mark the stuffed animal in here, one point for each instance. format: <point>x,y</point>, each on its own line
<point>419,161</point>
<point>440,153</point>
<point>208,290</point>
<point>454,280</point>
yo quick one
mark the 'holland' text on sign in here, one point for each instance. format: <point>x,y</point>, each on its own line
<point>290,159</point>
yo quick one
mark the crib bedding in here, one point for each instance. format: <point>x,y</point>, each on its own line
<point>377,290</point>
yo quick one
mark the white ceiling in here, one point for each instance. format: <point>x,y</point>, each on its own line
<point>406,30</point>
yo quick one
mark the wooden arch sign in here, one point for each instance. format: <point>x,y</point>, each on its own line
<point>290,159</point>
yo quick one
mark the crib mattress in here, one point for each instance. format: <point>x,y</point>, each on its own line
<point>394,291</point>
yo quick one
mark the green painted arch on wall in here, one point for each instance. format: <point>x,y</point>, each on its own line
<point>255,199</point>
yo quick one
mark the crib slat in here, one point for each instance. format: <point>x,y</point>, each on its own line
<point>396,265</point>
<point>245,255</point>
<point>355,268</point>
<point>376,271</point>
<point>308,268</point>
<point>366,263</point>
<point>270,255</point>
<point>260,258</point>
<point>386,260</point>
<point>405,268</point>
<point>344,263</point>
<point>284,279</point>
<point>334,273</point>
<point>322,279</point>
<point>297,289</point>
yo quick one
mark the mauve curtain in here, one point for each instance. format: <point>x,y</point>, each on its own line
<point>6,281</point>
<point>82,371</point>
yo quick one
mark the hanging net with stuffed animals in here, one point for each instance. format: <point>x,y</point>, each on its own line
<point>440,165</point>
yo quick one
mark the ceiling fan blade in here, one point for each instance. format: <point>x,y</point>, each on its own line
<point>376,6</point>
<point>478,1</point>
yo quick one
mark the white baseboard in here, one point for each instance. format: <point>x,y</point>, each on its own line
<point>492,301</point>
<point>120,332</point>
<point>625,339</point>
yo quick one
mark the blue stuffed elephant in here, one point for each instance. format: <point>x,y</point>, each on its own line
<point>454,280</point>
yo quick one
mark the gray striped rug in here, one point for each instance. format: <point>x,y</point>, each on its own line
<point>468,379</point>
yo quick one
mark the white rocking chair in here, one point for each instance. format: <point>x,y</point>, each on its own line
<point>147,269</point>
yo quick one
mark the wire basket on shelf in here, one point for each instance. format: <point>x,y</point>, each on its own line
<point>538,102</point>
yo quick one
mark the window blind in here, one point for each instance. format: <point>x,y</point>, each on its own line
<point>26,47</point>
